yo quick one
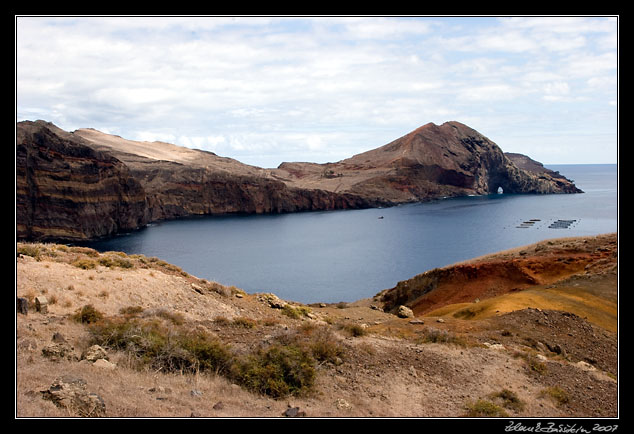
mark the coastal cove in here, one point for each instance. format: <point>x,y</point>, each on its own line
<point>347,255</point>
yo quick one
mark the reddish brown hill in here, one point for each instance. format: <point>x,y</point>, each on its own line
<point>541,264</point>
<point>430,162</point>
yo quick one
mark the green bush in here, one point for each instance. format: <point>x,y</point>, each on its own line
<point>295,312</point>
<point>277,371</point>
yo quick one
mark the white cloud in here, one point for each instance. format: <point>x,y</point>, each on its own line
<point>254,86</point>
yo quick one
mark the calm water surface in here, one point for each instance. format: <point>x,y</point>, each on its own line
<point>348,255</point>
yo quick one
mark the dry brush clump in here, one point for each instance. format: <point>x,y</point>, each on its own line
<point>496,405</point>
<point>164,342</point>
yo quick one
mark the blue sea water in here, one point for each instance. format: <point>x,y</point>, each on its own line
<point>334,256</point>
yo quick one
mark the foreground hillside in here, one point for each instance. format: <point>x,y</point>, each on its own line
<point>173,345</point>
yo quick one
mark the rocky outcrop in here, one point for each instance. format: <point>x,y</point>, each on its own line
<point>86,184</point>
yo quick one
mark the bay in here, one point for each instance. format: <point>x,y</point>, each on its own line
<point>348,255</point>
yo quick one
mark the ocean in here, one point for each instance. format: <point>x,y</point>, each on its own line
<point>347,255</point>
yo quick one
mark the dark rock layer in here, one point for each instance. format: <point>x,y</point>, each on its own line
<point>67,190</point>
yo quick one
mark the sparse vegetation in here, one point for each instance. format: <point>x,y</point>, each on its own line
<point>319,340</point>
<point>557,394</point>
<point>277,371</point>
<point>295,312</point>
<point>85,264</point>
<point>244,322</point>
<point>112,261</point>
<point>355,330</point>
<point>87,315</point>
<point>29,250</point>
<point>484,408</point>
<point>433,335</point>
<point>509,399</point>
<point>161,344</point>
<point>131,310</point>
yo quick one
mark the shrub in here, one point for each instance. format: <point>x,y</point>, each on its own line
<point>355,330</point>
<point>174,317</point>
<point>559,395</point>
<point>509,399</point>
<point>483,408</point>
<point>208,353</point>
<point>244,322</point>
<point>325,348</point>
<point>535,365</point>
<point>222,320</point>
<point>29,250</point>
<point>87,315</point>
<point>159,345</point>
<point>432,335</point>
<point>85,251</point>
<point>295,312</point>
<point>319,341</point>
<point>131,310</point>
<point>115,261</point>
<point>85,264</point>
<point>277,371</point>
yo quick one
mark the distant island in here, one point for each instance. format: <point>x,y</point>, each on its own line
<point>86,184</point>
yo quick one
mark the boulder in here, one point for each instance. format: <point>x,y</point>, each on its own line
<point>41,304</point>
<point>294,412</point>
<point>404,312</point>
<point>22,305</point>
<point>104,364</point>
<point>94,353</point>
<point>70,393</point>
<point>58,351</point>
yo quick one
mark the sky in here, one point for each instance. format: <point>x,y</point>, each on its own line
<point>269,89</point>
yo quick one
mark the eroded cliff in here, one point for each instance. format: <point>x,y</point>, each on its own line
<point>67,190</point>
<point>86,184</point>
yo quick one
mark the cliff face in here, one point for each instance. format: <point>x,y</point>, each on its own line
<point>79,186</point>
<point>67,190</point>
<point>88,184</point>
